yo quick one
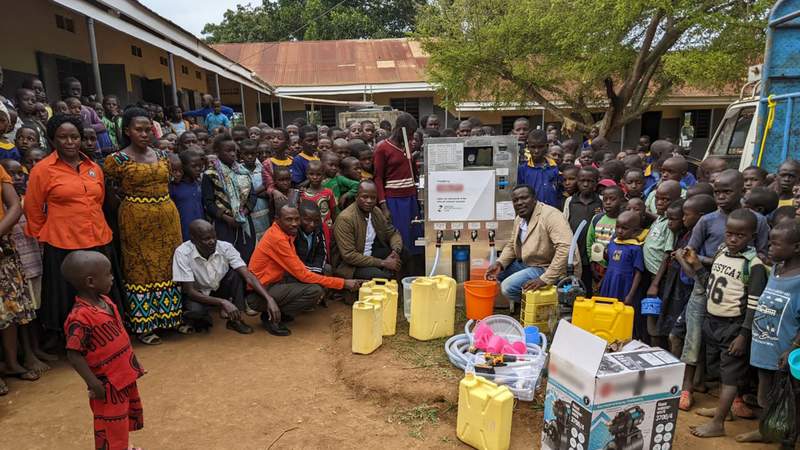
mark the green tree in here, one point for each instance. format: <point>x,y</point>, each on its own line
<point>575,57</point>
<point>282,20</point>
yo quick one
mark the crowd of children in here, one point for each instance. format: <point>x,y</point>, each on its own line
<point>719,248</point>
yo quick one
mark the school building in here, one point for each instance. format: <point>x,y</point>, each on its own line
<point>392,72</point>
<point>121,47</point>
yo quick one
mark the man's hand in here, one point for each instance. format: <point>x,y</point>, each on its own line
<point>352,285</point>
<point>493,271</point>
<point>230,221</point>
<point>97,390</point>
<point>273,310</point>
<point>231,310</point>
<point>392,262</point>
<point>533,284</point>
<point>385,209</point>
<point>738,346</point>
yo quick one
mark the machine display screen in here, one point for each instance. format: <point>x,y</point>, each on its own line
<point>478,156</point>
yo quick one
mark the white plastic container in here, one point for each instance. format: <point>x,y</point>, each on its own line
<point>407,296</point>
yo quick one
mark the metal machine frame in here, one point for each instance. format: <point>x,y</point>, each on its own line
<point>441,155</point>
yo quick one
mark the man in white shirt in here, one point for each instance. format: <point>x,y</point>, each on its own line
<point>212,273</point>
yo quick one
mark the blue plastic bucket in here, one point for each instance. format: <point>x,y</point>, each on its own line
<point>794,363</point>
<point>651,306</point>
<point>532,335</point>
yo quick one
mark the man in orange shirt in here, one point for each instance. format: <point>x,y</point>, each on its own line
<point>273,259</point>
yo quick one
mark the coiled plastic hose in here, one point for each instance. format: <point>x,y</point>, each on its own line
<point>457,347</point>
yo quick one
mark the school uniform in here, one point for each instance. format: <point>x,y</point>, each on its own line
<point>188,198</point>
<point>625,258</point>
<point>545,180</point>
<point>576,211</point>
<point>300,166</point>
<point>102,340</point>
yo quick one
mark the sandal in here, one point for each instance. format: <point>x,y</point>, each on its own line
<point>741,410</point>
<point>686,401</point>
<point>30,375</point>
<point>185,329</point>
<point>149,339</point>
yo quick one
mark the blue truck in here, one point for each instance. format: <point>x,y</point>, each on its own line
<point>762,128</point>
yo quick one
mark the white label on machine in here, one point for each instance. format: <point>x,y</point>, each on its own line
<point>491,225</point>
<point>457,226</point>
<point>505,211</point>
<point>440,226</point>
<point>474,225</point>
<point>442,157</point>
<point>461,196</point>
<point>501,171</point>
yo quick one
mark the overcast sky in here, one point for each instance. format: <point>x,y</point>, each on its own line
<point>192,15</point>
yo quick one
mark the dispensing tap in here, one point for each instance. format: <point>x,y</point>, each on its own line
<point>474,235</point>
<point>491,237</point>
<point>439,238</point>
<point>456,235</point>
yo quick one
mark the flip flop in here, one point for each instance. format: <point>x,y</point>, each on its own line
<point>185,329</point>
<point>149,339</point>
<point>685,403</point>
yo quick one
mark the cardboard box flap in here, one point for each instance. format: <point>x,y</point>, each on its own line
<point>581,348</point>
<point>636,360</point>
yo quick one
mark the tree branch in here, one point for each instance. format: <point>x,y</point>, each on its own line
<point>535,93</point>
<point>650,34</point>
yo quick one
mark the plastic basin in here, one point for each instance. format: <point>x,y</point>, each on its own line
<point>794,363</point>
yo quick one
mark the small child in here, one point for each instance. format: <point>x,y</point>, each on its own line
<point>612,171</point>
<point>89,144</point>
<point>601,230</point>
<point>673,168</point>
<point>364,159</point>
<point>279,144</point>
<point>60,107</point>
<point>7,148</point>
<point>586,158</point>
<point>782,214</point>
<point>324,144</point>
<point>583,206</point>
<point>322,197</point>
<point>541,172</point>
<point>700,188</point>
<point>569,159</point>
<point>27,138</point>
<point>308,141</point>
<point>761,200</point>
<point>283,185</point>
<point>105,361</point>
<point>667,284</point>
<point>31,158</point>
<point>216,119</point>
<point>556,153</point>
<point>569,182</point>
<point>787,178</point>
<point>185,190</point>
<point>735,282</point>
<point>776,322</point>
<point>754,176</point>
<point>350,169</point>
<point>264,152</point>
<point>311,243</point>
<point>637,205</point>
<point>338,184</point>
<point>260,212</point>
<point>625,260</point>
<point>295,146</point>
<point>633,183</point>
<point>341,148</point>
<point>254,133</point>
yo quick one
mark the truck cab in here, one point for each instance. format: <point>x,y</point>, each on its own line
<point>735,137</point>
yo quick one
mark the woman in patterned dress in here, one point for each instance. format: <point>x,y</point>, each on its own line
<point>149,229</point>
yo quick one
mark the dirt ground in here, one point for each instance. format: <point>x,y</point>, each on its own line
<point>227,391</point>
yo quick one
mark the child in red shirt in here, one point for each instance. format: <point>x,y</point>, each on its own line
<point>99,349</point>
<point>322,197</point>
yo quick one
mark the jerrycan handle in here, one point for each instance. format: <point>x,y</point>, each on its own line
<point>380,280</point>
<point>608,300</point>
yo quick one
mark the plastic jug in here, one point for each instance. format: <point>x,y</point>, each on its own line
<point>605,317</point>
<point>433,310</point>
<point>387,291</point>
<point>367,325</point>
<point>540,308</point>
<point>484,413</point>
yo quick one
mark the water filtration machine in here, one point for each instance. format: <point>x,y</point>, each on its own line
<point>466,191</point>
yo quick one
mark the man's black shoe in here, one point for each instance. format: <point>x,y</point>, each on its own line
<point>239,327</point>
<point>276,329</point>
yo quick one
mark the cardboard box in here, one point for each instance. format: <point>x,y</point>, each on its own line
<point>609,401</point>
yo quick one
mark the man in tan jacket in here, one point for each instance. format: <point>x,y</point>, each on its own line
<point>537,253</point>
<point>368,244</point>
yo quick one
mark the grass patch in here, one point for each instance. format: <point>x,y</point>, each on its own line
<point>421,355</point>
<point>416,418</point>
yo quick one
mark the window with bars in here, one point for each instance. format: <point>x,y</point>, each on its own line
<point>409,105</point>
<point>327,114</point>
<point>163,61</point>
<point>136,51</point>
<point>184,70</point>
<point>701,121</point>
<point>198,75</point>
<point>65,23</point>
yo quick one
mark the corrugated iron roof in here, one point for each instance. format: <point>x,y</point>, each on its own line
<point>331,63</point>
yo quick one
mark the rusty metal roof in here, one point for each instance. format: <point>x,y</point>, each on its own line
<point>331,63</point>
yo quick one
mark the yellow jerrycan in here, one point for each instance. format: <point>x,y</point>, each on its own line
<point>604,317</point>
<point>387,290</point>
<point>433,311</point>
<point>367,325</point>
<point>484,413</point>
<point>540,308</point>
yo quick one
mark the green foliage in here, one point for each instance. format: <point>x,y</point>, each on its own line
<point>579,56</point>
<point>282,20</point>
